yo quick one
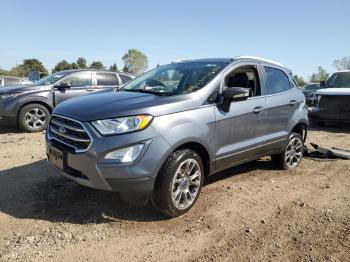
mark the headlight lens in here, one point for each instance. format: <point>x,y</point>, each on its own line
<point>125,155</point>
<point>122,125</point>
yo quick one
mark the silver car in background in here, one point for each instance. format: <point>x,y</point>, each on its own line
<point>165,131</point>
<point>13,81</point>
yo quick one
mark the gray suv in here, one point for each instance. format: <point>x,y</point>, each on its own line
<point>164,132</point>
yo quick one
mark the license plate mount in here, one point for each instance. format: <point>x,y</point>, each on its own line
<point>56,157</point>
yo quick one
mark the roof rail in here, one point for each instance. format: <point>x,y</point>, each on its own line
<point>259,58</point>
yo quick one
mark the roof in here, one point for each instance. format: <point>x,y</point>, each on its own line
<point>259,59</point>
<point>93,70</point>
<point>206,60</point>
<point>229,60</point>
<point>343,71</point>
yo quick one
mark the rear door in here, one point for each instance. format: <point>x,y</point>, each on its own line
<point>282,100</point>
<point>81,83</point>
<point>106,80</point>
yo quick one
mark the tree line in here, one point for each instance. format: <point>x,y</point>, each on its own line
<point>135,62</point>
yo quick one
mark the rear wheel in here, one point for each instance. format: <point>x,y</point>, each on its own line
<point>292,154</point>
<point>33,118</point>
<point>179,183</point>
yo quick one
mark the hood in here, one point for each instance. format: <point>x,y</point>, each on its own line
<point>123,103</point>
<point>20,89</point>
<point>334,91</point>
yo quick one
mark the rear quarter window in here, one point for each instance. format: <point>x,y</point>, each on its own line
<point>125,78</point>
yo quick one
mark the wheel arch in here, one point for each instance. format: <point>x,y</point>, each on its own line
<point>301,128</point>
<point>194,145</point>
<point>40,102</point>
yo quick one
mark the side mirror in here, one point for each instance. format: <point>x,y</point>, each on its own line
<point>233,94</point>
<point>322,83</point>
<point>62,86</point>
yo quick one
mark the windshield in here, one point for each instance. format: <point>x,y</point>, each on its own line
<point>339,80</point>
<point>312,87</point>
<point>178,78</point>
<point>50,79</point>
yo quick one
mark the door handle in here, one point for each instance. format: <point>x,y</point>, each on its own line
<point>293,102</point>
<point>258,109</point>
<point>90,89</point>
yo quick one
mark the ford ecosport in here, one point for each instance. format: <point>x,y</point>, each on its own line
<point>163,133</point>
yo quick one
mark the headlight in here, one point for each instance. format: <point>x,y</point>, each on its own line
<point>125,155</point>
<point>122,125</point>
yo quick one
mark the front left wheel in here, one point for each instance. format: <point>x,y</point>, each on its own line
<point>33,118</point>
<point>179,183</point>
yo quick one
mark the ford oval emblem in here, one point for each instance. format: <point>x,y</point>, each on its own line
<point>62,130</point>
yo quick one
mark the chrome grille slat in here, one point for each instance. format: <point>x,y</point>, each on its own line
<point>58,123</point>
<point>54,130</point>
<point>69,132</point>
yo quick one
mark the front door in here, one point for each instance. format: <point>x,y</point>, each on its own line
<point>79,83</point>
<point>238,134</point>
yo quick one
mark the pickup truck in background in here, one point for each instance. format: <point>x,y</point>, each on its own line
<point>332,102</point>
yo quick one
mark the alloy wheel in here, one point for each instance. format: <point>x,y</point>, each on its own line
<point>294,152</point>
<point>186,183</point>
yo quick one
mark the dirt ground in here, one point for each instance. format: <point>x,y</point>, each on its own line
<point>249,213</point>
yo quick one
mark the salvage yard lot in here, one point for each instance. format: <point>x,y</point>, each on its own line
<point>252,212</point>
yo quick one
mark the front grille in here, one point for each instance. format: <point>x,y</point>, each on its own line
<point>69,132</point>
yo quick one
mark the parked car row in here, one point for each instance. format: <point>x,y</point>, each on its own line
<point>30,106</point>
<point>157,137</point>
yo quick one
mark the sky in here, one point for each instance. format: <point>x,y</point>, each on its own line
<point>301,34</point>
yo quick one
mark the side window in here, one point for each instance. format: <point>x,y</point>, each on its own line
<point>79,80</point>
<point>246,77</point>
<point>277,81</point>
<point>11,82</point>
<point>106,79</point>
<point>125,78</point>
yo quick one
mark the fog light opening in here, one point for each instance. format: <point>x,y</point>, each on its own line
<point>125,155</point>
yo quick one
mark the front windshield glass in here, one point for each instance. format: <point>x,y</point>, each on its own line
<point>177,78</point>
<point>339,80</point>
<point>51,79</point>
<point>312,87</point>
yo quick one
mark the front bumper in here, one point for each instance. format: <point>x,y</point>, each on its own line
<point>90,169</point>
<point>327,116</point>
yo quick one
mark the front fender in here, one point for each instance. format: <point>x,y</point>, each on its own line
<point>194,126</point>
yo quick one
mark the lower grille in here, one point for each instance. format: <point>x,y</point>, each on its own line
<point>69,132</point>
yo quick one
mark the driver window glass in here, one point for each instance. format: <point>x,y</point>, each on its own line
<point>246,77</point>
<point>79,80</point>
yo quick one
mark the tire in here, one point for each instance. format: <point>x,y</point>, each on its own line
<point>292,153</point>
<point>175,192</point>
<point>33,118</point>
